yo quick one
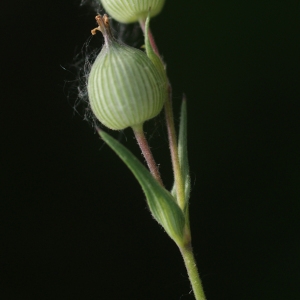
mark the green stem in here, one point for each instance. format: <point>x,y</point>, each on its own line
<point>190,264</point>
<point>146,151</point>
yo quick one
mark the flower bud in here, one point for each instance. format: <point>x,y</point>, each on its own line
<point>125,87</point>
<point>129,11</point>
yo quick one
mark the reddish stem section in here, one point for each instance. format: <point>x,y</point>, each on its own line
<point>151,38</point>
<point>171,130</point>
<point>146,151</point>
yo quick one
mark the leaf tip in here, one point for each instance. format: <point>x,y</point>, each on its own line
<point>99,131</point>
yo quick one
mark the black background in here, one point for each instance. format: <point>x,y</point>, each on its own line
<point>75,221</point>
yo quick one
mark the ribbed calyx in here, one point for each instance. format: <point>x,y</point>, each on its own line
<point>129,11</point>
<point>125,88</point>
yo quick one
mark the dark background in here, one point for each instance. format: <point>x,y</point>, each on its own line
<point>75,221</point>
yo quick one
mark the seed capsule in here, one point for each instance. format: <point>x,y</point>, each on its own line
<point>129,11</point>
<point>125,88</point>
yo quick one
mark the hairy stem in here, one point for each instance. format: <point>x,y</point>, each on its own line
<point>171,131</point>
<point>186,248</point>
<point>174,150</point>
<point>146,151</point>
<point>190,264</point>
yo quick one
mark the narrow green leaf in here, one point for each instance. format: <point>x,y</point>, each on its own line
<point>161,203</point>
<point>182,150</point>
<point>183,155</point>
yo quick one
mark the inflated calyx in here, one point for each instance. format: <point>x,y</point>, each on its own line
<point>125,86</point>
<point>129,11</point>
